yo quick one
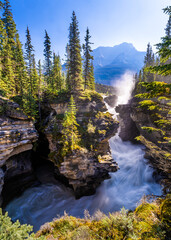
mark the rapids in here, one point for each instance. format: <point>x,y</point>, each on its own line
<point>126,187</point>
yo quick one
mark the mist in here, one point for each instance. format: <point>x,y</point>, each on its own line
<point>124,87</point>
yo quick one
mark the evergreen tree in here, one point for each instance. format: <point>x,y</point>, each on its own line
<point>31,90</point>
<point>31,65</point>
<point>20,69</point>
<point>74,61</point>
<point>40,86</point>
<point>149,57</point>
<point>164,50</point>
<point>8,75</point>
<point>29,50</point>
<point>48,57</point>
<point>3,42</point>
<point>8,20</point>
<point>57,77</point>
<point>88,72</point>
<point>148,61</point>
<point>70,137</point>
<point>91,77</point>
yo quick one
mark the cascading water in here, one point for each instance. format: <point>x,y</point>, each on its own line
<point>125,188</point>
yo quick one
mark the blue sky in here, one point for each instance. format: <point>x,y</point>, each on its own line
<point>110,21</point>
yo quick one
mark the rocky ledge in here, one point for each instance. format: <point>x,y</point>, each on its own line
<point>17,135</point>
<point>86,168</point>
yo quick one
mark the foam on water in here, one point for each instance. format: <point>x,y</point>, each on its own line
<point>125,188</point>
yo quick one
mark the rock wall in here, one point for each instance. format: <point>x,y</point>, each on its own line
<point>84,169</point>
<point>17,135</point>
<point>158,151</point>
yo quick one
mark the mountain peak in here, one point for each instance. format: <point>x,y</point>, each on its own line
<point>112,62</point>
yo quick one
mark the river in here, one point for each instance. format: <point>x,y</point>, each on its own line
<point>126,187</point>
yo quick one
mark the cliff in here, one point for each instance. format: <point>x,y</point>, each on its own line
<point>17,135</point>
<point>136,121</point>
<point>87,167</point>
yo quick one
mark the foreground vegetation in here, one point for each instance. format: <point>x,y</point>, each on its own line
<point>148,221</point>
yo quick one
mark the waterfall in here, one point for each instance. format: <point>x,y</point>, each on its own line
<point>125,188</point>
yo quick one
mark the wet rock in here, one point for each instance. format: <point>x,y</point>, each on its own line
<point>85,169</point>
<point>111,100</point>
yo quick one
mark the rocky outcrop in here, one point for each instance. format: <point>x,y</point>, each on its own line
<point>158,149</point>
<point>111,100</point>
<point>86,168</point>
<point>128,128</point>
<point>17,135</point>
<point>85,172</point>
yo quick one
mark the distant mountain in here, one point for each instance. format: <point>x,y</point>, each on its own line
<point>111,63</point>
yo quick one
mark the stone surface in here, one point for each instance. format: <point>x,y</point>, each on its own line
<point>17,135</point>
<point>84,170</point>
<point>158,151</point>
<point>111,100</point>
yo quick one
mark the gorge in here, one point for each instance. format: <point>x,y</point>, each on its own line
<point>125,188</point>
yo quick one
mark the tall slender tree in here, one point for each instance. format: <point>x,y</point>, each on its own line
<point>149,60</point>
<point>57,77</point>
<point>70,136</point>
<point>88,72</point>
<point>74,61</point>
<point>29,50</point>
<point>48,57</point>
<point>20,68</point>
<point>8,20</point>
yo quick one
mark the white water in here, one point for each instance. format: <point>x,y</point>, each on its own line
<point>125,188</point>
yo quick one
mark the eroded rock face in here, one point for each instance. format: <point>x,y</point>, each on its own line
<point>111,100</point>
<point>84,169</point>
<point>85,172</point>
<point>132,119</point>
<point>128,128</point>
<point>17,135</point>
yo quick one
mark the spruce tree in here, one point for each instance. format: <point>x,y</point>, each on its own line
<point>29,50</point>
<point>88,72</point>
<point>74,61</point>
<point>48,57</point>
<point>20,68</point>
<point>31,90</point>
<point>91,77</point>
<point>57,78</point>
<point>164,50</point>
<point>70,136</point>
<point>30,64</point>
<point>148,61</point>
<point>3,42</point>
<point>8,20</point>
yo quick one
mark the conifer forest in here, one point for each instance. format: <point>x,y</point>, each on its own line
<point>85,136</point>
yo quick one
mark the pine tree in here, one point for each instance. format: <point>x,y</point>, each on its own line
<point>91,77</point>
<point>149,57</point>
<point>29,50</point>
<point>8,75</point>
<point>8,20</point>
<point>57,77</point>
<point>20,69</point>
<point>74,61</point>
<point>164,50</point>
<point>40,86</point>
<point>148,61</point>
<point>70,137</point>
<point>88,72</point>
<point>3,42</point>
<point>31,90</point>
<point>48,57</point>
<point>31,65</point>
